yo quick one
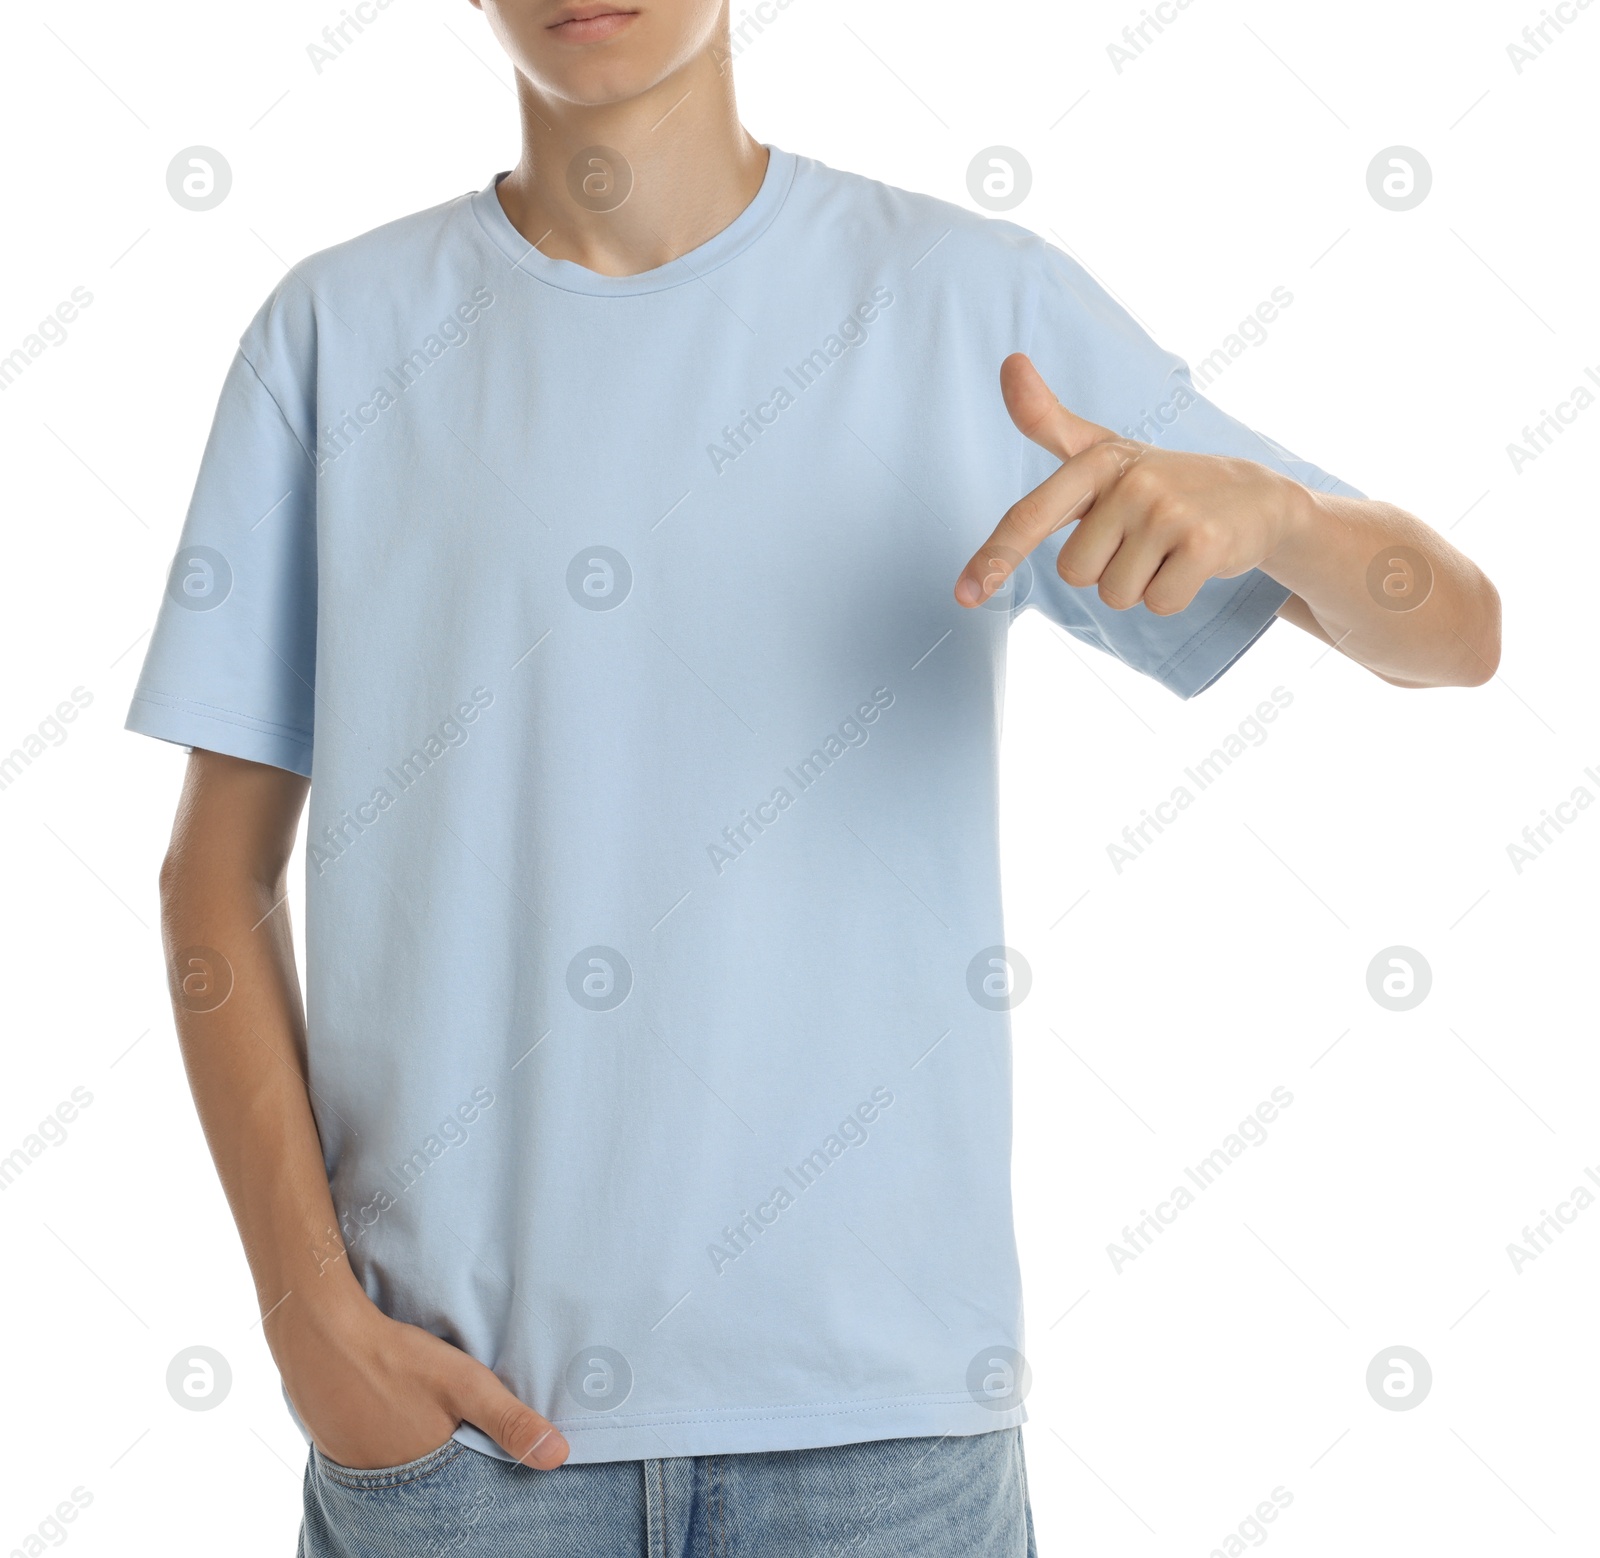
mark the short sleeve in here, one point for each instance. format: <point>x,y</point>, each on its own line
<point>232,661</point>
<point>1099,361</point>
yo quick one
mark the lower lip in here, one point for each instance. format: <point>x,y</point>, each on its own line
<point>593,28</point>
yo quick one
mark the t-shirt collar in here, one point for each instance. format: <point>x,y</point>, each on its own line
<point>717,250</point>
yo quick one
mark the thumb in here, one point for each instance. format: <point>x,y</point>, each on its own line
<point>479,1398</point>
<point>1038,414</point>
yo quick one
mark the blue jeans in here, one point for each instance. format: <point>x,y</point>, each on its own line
<point>955,1497</point>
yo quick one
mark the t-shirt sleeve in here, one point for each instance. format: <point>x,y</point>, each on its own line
<point>1102,365</point>
<point>232,661</point>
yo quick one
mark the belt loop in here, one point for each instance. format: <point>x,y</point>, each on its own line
<point>655,1508</point>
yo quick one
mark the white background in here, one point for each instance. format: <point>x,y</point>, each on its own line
<point>1228,159</point>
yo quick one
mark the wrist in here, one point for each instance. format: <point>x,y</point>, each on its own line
<point>325,1306</point>
<point>1301,516</point>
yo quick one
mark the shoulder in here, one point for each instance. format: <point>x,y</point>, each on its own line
<point>324,297</point>
<point>920,226</point>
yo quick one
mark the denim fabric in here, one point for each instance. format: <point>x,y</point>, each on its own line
<point>950,1497</point>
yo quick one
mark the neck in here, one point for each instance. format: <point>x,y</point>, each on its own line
<point>683,168</point>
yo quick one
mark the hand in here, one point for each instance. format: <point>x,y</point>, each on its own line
<point>1153,524</point>
<point>376,1392</point>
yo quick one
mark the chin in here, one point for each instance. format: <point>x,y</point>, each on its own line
<point>597,83</point>
<point>601,73</point>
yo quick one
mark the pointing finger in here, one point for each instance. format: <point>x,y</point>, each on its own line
<point>1067,495</point>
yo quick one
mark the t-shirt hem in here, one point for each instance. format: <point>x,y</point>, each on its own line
<point>189,724</point>
<point>752,1432</point>
<point>1208,653</point>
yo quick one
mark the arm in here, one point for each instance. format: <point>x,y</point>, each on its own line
<point>372,1391</point>
<point>1154,525</point>
<point>1386,590</point>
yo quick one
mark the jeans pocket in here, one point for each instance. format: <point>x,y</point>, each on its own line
<point>387,1476</point>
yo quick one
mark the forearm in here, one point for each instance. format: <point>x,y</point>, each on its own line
<point>1389,592</point>
<point>223,890</point>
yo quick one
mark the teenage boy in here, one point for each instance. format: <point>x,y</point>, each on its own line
<point>614,551</point>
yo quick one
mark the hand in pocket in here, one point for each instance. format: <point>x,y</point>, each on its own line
<point>376,1393</point>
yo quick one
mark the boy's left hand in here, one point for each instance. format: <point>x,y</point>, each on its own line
<point>1153,524</point>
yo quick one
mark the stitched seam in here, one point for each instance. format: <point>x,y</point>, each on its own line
<point>354,1477</point>
<point>716,1508</point>
<point>482,224</point>
<point>163,700</point>
<point>722,1506</point>
<point>661,1507</point>
<point>288,425</point>
<point>1198,640</point>
<point>823,1409</point>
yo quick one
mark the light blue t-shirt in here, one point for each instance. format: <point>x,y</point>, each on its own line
<point>658,1029</point>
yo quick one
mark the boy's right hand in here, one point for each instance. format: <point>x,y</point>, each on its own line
<point>375,1392</point>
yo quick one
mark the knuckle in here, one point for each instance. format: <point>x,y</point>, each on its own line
<point>1169,508</point>
<point>1073,572</point>
<point>518,1427</point>
<point>1138,476</point>
<point>1028,514</point>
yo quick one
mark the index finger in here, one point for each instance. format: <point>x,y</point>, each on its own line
<point>1061,499</point>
